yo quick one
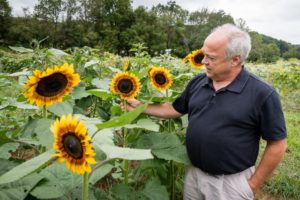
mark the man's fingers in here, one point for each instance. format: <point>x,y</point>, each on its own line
<point>133,102</point>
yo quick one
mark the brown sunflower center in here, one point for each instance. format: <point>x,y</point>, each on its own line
<point>72,146</point>
<point>160,79</point>
<point>198,58</point>
<point>52,85</point>
<point>125,86</point>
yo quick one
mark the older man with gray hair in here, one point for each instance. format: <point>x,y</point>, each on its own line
<point>229,110</point>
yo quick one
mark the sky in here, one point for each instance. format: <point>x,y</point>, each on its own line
<point>279,19</point>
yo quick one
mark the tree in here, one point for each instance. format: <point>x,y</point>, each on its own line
<point>293,52</point>
<point>145,30</point>
<point>242,24</point>
<point>271,53</point>
<point>172,20</point>
<point>49,11</point>
<point>201,23</point>
<point>5,18</point>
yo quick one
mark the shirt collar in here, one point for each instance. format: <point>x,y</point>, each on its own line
<point>239,82</point>
<point>236,85</point>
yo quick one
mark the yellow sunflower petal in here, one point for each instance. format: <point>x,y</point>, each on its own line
<point>196,59</point>
<point>125,84</point>
<point>48,87</point>
<point>160,78</point>
<point>72,144</point>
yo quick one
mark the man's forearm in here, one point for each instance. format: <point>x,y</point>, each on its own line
<point>164,110</point>
<point>273,154</point>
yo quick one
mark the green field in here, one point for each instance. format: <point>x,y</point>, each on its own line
<point>25,129</point>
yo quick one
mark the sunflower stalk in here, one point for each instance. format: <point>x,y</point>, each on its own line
<point>95,107</point>
<point>45,112</point>
<point>126,166</point>
<point>171,165</point>
<point>85,186</point>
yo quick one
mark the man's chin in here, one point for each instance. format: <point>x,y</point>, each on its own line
<point>208,74</point>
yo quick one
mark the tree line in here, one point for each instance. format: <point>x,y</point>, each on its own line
<point>115,26</point>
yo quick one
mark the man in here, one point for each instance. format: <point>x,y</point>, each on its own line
<point>229,109</point>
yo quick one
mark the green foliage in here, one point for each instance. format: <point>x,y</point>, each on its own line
<point>165,146</point>
<point>57,181</point>
<point>284,76</point>
<point>286,183</point>
<point>201,24</point>
<point>19,189</point>
<point>149,150</point>
<point>28,167</point>
<point>114,26</point>
<point>5,14</point>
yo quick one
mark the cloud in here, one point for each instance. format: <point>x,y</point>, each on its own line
<point>18,5</point>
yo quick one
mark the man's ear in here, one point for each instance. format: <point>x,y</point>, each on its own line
<point>236,60</point>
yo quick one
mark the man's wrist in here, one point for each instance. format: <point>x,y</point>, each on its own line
<point>254,185</point>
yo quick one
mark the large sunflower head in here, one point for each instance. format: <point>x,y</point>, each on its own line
<point>72,144</point>
<point>196,58</point>
<point>48,87</point>
<point>126,66</point>
<point>160,78</point>
<point>125,84</point>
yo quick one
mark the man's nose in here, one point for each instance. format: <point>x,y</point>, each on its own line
<point>204,60</point>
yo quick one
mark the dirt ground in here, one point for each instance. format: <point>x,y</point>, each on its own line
<point>260,195</point>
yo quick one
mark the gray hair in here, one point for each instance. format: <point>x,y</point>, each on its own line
<point>239,41</point>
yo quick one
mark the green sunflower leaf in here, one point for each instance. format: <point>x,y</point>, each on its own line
<point>7,148</point>
<point>21,49</point>
<point>44,133</point>
<point>62,108</point>
<point>100,173</point>
<point>155,190</point>
<point>79,93</point>
<point>104,141</point>
<point>126,153</point>
<point>101,93</point>
<point>4,139</point>
<point>27,167</point>
<point>57,52</point>
<point>59,181</point>
<point>165,146</point>
<point>19,189</point>
<point>123,119</point>
<point>147,124</point>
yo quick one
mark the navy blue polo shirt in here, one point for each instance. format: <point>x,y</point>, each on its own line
<point>225,126</point>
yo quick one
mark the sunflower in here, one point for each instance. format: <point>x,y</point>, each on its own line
<point>72,144</point>
<point>160,78</point>
<point>125,84</point>
<point>48,87</point>
<point>149,68</point>
<point>186,59</point>
<point>126,66</point>
<point>195,58</point>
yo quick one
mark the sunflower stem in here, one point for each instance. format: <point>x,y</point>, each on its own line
<point>126,166</point>
<point>45,112</point>
<point>169,120</point>
<point>94,111</point>
<point>171,164</point>
<point>85,186</point>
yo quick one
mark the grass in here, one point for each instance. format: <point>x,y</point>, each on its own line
<point>285,184</point>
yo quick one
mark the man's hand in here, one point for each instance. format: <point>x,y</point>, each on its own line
<point>164,110</point>
<point>273,154</point>
<point>130,104</point>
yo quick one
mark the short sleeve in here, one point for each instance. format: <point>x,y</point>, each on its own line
<point>272,123</point>
<point>181,103</point>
